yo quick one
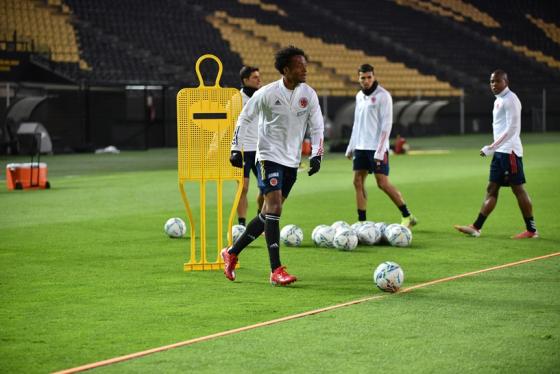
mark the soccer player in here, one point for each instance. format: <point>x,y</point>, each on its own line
<point>250,82</point>
<point>284,108</point>
<point>506,168</point>
<point>369,144</point>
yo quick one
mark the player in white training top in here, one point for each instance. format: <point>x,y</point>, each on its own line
<point>369,143</point>
<point>285,109</point>
<point>506,168</point>
<point>250,82</point>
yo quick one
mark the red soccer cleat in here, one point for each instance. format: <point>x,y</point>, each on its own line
<point>280,277</point>
<point>230,260</point>
<point>526,235</point>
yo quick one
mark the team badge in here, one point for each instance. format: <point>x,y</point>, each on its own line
<point>303,102</point>
<point>273,182</point>
<point>373,99</point>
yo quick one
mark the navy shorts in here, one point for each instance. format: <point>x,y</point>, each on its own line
<point>506,169</point>
<point>249,164</point>
<point>273,177</point>
<point>365,160</point>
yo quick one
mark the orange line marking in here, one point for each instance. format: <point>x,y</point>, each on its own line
<point>289,318</point>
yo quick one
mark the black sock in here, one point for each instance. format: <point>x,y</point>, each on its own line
<point>272,234</point>
<point>530,224</point>
<point>241,221</point>
<point>253,230</point>
<point>361,215</point>
<point>404,210</point>
<point>479,221</point>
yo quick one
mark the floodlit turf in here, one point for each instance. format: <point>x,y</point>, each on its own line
<point>489,323</point>
<point>87,274</point>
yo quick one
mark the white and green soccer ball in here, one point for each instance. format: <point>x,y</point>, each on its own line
<point>316,230</point>
<point>291,235</point>
<point>236,232</point>
<point>381,226</point>
<point>323,236</point>
<point>368,234</point>
<point>175,227</point>
<point>356,226</point>
<point>388,276</point>
<point>345,239</point>
<point>339,225</point>
<point>398,235</point>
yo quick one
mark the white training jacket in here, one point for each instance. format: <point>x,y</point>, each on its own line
<point>249,143</point>
<point>373,120</point>
<point>283,117</point>
<point>507,123</point>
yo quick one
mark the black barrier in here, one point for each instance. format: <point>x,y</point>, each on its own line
<point>86,118</point>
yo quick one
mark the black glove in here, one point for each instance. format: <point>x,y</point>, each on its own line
<point>314,165</point>
<point>236,159</point>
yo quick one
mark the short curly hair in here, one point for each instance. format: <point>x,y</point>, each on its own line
<point>283,57</point>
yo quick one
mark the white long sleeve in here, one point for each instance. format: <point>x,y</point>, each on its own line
<point>352,143</point>
<point>283,116</point>
<point>245,137</point>
<point>386,122</point>
<point>316,127</point>
<point>373,121</point>
<point>506,123</point>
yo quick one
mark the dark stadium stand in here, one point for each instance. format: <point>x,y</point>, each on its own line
<point>516,27</point>
<point>460,42</point>
<point>425,52</point>
<point>166,35</point>
<point>464,55</point>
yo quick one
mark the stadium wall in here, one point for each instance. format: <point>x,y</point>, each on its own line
<point>85,118</point>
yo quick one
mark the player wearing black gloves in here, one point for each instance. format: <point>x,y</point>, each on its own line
<point>284,110</point>
<point>314,165</point>
<point>236,159</point>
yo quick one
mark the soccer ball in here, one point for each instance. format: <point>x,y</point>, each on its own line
<point>381,226</point>
<point>291,235</point>
<point>398,235</point>
<point>324,236</point>
<point>236,232</point>
<point>345,239</point>
<point>175,227</point>
<point>368,234</point>
<point>340,224</point>
<point>388,276</point>
<point>357,225</point>
<point>316,230</point>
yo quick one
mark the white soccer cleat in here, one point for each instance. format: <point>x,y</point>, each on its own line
<point>469,230</point>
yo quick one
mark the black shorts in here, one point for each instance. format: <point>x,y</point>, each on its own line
<point>506,169</point>
<point>273,177</point>
<point>249,164</point>
<point>365,160</point>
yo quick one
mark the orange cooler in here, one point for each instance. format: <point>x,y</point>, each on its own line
<point>26,175</point>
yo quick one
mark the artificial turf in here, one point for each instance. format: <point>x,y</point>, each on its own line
<point>87,274</point>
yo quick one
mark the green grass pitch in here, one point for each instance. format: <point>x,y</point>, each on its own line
<point>87,274</point>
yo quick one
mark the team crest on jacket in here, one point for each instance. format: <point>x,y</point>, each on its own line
<point>303,102</point>
<point>373,99</point>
